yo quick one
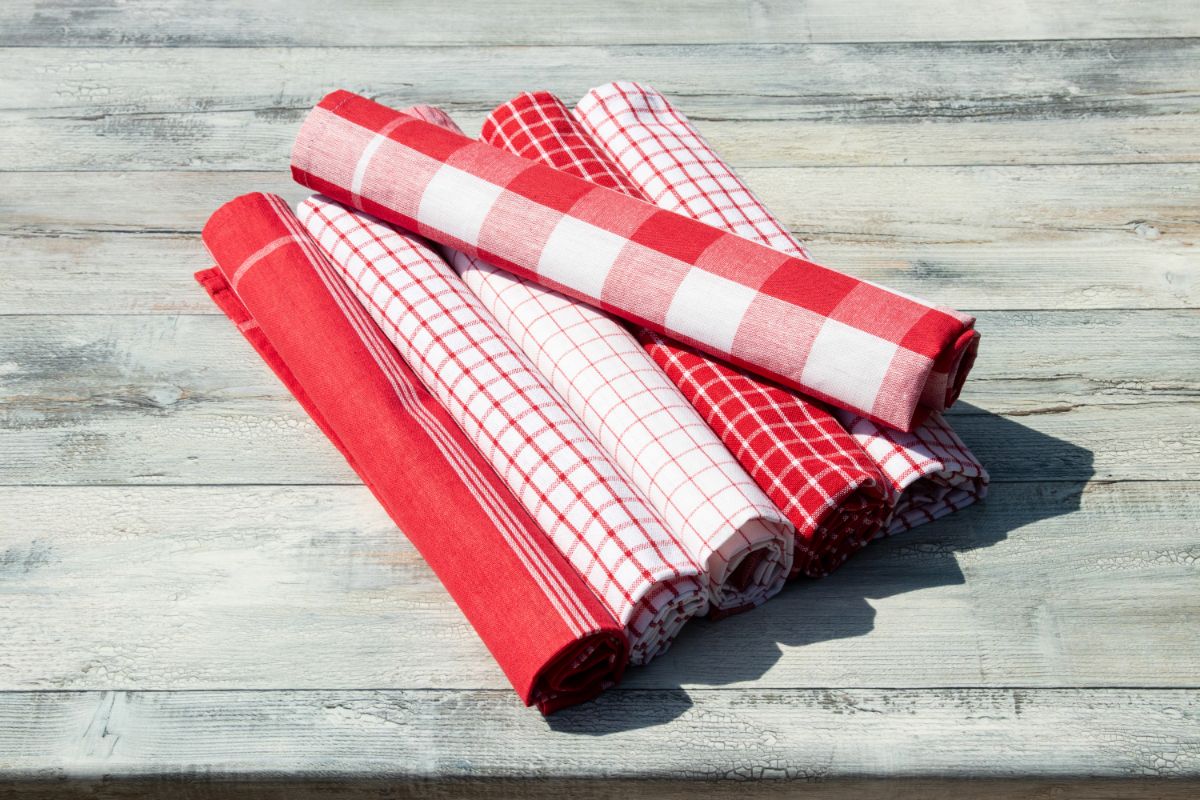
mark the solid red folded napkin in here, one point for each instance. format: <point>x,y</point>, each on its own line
<point>551,635</point>
<point>930,470</point>
<point>840,339</point>
<point>796,451</point>
<point>516,419</point>
<point>726,523</point>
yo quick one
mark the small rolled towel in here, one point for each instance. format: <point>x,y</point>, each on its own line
<point>930,471</point>
<point>516,419</point>
<point>842,340</point>
<point>553,638</point>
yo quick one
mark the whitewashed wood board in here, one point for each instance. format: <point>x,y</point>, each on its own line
<point>173,23</point>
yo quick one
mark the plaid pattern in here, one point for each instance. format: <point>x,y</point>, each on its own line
<point>673,164</point>
<point>548,631</point>
<point>707,500</point>
<point>839,339</point>
<point>931,472</point>
<point>555,467</point>
<point>803,459</point>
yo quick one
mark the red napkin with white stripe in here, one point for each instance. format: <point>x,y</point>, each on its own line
<point>886,356</point>
<point>716,511</point>
<point>930,470</point>
<point>512,415</point>
<point>548,631</point>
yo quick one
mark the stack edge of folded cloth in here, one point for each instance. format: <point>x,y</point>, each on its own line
<point>599,387</point>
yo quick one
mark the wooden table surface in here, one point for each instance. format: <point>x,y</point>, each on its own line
<point>195,589</point>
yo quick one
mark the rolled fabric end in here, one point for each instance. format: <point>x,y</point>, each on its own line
<point>845,341</point>
<point>661,614</point>
<point>549,633</point>
<point>842,532</point>
<point>754,565</point>
<point>580,672</point>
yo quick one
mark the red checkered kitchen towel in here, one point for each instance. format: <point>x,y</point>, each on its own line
<point>795,450</point>
<point>931,471</point>
<point>640,418</point>
<point>840,339</point>
<point>551,635</point>
<point>514,417</point>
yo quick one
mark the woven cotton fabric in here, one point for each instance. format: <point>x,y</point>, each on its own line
<point>551,635</point>
<point>554,466</point>
<point>842,340</point>
<point>743,542</point>
<point>806,463</point>
<point>930,471</point>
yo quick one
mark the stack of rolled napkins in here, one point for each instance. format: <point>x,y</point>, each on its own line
<point>589,375</point>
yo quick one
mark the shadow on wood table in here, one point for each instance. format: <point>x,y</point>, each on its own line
<point>812,611</point>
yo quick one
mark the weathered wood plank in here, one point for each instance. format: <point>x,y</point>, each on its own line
<point>172,23</point>
<point>182,399</point>
<point>764,105</point>
<point>971,237</point>
<point>787,739</point>
<point>275,587</point>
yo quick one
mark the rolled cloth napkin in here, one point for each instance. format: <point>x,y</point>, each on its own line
<point>715,510</point>
<point>839,339</point>
<point>797,452</point>
<point>930,470</point>
<point>518,422</point>
<point>554,639</point>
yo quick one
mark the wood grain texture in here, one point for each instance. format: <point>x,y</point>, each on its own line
<point>199,599</point>
<point>791,738</point>
<point>273,587</point>
<point>173,23</point>
<point>181,399</point>
<point>1100,101</point>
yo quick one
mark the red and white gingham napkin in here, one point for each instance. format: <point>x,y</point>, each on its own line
<point>931,471</point>
<point>886,356</point>
<point>804,460</point>
<point>515,418</point>
<point>705,498</point>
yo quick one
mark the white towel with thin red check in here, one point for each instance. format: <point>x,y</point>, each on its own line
<point>706,499</point>
<point>930,470</point>
<point>803,459</point>
<point>887,356</point>
<point>515,418</point>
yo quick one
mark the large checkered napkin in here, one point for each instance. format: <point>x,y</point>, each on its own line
<point>803,459</point>
<point>840,339</point>
<point>514,417</point>
<point>707,500</point>
<point>930,470</point>
<point>546,628</point>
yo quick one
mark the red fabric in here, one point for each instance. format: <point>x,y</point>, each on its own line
<point>931,471</point>
<point>797,452</point>
<point>549,633</point>
<point>516,420</point>
<point>837,338</point>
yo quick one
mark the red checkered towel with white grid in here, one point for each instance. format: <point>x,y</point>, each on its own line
<point>881,354</point>
<point>546,628</point>
<point>931,471</point>
<point>515,418</point>
<point>796,451</point>
<point>706,499</point>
